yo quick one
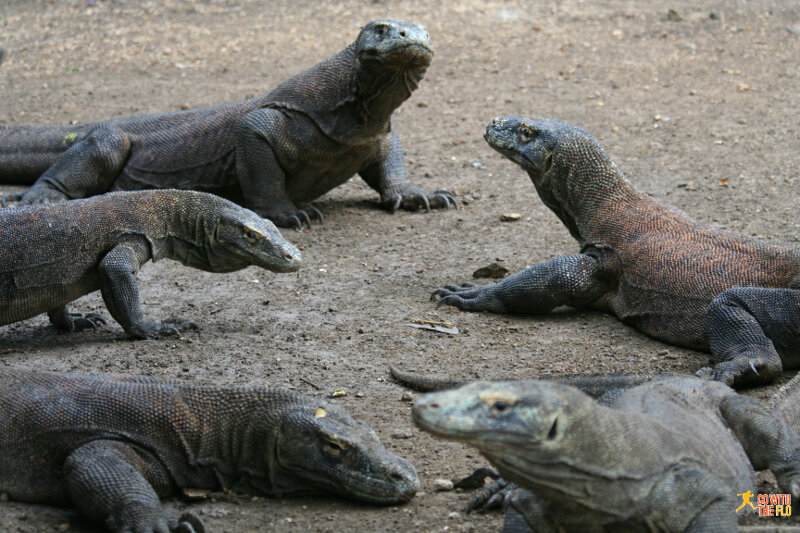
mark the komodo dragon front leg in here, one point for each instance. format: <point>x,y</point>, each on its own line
<point>387,176</point>
<point>120,292</point>
<point>575,280</point>
<point>86,168</point>
<point>111,483</point>
<point>260,135</point>
<point>270,140</point>
<point>753,333</point>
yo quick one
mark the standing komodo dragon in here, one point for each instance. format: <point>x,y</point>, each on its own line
<point>272,154</point>
<point>53,254</point>
<point>646,262</point>
<point>670,455</point>
<point>113,446</point>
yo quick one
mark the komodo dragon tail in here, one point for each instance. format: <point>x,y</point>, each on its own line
<point>595,385</point>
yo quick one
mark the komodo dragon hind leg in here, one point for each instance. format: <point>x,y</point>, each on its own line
<point>768,440</point>
<point>62,319</point>
<point>753,333</point>
<point>86,168</point>
<point>110,482</point>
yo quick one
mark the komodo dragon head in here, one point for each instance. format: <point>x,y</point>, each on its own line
<point>227,237</point>
<point>392,56</point>
<point>571,171</point>
<point>318,447</point>
<point>539,433</point>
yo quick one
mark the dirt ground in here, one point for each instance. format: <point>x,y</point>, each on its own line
<point>698,107</point>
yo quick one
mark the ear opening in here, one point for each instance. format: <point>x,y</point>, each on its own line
<point>553,433</point>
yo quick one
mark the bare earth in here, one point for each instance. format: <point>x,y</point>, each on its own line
<point>699,108</point>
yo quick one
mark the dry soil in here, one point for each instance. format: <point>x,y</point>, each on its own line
<point>696,101</point>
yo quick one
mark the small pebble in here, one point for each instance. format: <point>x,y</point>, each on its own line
<point>443,484</point>
<point>510,217</point>
<point>407,397</point>
<point>403,433</point>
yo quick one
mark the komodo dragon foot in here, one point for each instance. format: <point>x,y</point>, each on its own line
<point>150,329</point>
<point>64,320</point>
<point>469,297</point>
<point>39,196</point>
<point>413,198</point>
<point>293,217</point>
<point>493,496</point>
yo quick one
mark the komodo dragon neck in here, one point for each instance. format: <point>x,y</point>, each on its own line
<point>581,183</point>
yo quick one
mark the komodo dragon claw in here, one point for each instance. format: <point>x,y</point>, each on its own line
<point>492,496</point>
<point>302,215</point>
<point>447,196</point>
<point>189,523</point>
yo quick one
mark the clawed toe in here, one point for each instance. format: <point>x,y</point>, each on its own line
<point>447,196</point>
<point>189,523</point>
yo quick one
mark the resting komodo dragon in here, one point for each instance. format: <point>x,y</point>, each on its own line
<point>113,446</point>
<point>670,455</point>
<point>272,154</point>
<point>646,262</point>
<point>53,254</point>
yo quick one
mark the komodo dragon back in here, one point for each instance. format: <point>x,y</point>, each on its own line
<point>171,435</point>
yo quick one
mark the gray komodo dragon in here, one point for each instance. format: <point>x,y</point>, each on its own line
<point>670,455</point>
<point>272,154</point>
<point>113,446</point>
<point>646,262</point>
<point>53,254</point>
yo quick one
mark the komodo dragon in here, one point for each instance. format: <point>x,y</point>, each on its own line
<point>52,254</point>
<point>113,446</point>
<point>272,154</point>
<point>646,262</point>
<point>670,455</point>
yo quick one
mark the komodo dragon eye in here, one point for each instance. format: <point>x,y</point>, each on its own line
<point>334,446</point>
<point>251,234</point>
<point>526,133</point>
<point>500,406</point>
<point>380,29</point>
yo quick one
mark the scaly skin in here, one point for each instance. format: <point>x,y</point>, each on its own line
<point>670,455</point>
<point>113,446</point>
<point>595,385</point>
<point>646,262</point>
<point>53,254</point>
<point>273,154</point>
